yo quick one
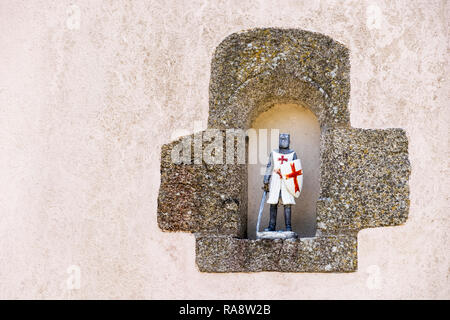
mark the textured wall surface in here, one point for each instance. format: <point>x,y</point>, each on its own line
<point>90,90</point>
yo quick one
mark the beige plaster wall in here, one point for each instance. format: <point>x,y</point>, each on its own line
<point>304,129</point>
<point>90,90</point>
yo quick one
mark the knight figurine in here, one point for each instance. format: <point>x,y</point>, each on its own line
<point>283,180</point>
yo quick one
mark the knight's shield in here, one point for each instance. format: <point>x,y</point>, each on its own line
<point>292,174</point>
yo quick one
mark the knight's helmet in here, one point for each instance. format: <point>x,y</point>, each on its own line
<point>284,140</point>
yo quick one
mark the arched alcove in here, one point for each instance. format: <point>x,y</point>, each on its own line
<point>304,129</point>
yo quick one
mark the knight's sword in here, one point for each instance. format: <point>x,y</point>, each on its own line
<point>261,207</point>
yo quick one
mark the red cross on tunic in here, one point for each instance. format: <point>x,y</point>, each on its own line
<point>282,159</point>
<point>294,174</point>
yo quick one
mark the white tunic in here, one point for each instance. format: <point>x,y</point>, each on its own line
<point>276,184</point>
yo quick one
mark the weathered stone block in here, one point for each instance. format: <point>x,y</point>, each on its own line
<point>364,179</point>
<point>202,197</point>
<point>319,254</point>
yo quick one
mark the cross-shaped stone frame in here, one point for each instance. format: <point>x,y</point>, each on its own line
<point>364,173</point>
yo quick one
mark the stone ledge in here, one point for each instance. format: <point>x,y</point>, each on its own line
<point>318,254</point>
<point>272,235</point>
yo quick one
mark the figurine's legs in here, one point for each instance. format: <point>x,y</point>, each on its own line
<point>287,217</point>
<point>273,217</point>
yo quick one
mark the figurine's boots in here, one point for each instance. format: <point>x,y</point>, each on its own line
<point>287,217</point>
<point>273,218</point>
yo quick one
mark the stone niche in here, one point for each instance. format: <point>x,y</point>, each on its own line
<point>364,173</point>
<point>304,129</point>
